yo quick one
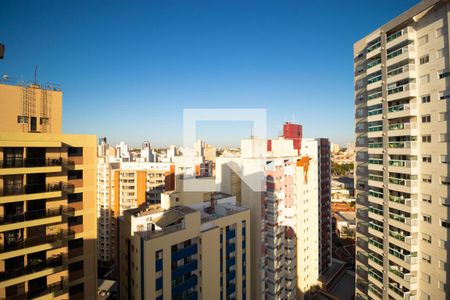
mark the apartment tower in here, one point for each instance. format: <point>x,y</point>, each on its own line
<point>47,199</point>
<point>402,156</point>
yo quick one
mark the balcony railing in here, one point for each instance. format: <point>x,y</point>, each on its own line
<point>401,88</point>
<point>375,243</point>
<point>376,161</point>
<point>374,79</point>
<point>34,188</point>
<point>402,145</point>
<point>33,266</point>
<point>54,288</point>
<point>408,258</point>
<point>403,219</point>
<point>397,52</point>
<point>36,214</point>
<point>376,227</point>
<point>403,293</point>
<point>375,145</point>
<point>375,259</point>
<point>375,128</point>
<point>403,163</point>
<point>404,182</point>
<point>374,95</point>
<point>399,107</point>
<point>402,126</point>
<point>375,275</point>
<point>30,162</point>
<point>375,177</point>
<point>375,194</point>
<point>376,210</point>
<point>402,200</point>
<point>375,112</point>
<point>21,243</point>
<point>396,34</point>
<point>400,70</point>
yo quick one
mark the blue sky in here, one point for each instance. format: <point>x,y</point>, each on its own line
<point>129,68</point>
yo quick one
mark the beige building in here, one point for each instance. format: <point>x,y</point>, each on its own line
<point>122,186</point>
<point>402,144</point>
<point>47,200</point>
<point>199,251</point>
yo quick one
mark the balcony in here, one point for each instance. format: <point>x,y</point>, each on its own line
<point>397,55</point>
<point>410,259</point>
<point>33,267</point>
<point>373,49</point>
<point>405,275</point>
<point>31,189</point>
<point>30,165</point>
<point>403,72</point>
<point>54,289</point>
<point>375,259</point>
<point>407,239</point>
<point>400,36</point>
<point>403,147</point>
<point>403,184</point>
<point>375,210</point>
<point>406,90</point>
<point>404,293</point>
<point>36,214</point>
<point>403,163</point>
<point>412,221</point>
<point>402,110</point>
<point>21,243</point>
<point>375,243</point>
<point>374,112</point>
<point>398,129</point>
<point>374,96</point>
<point>373,274</point>
<point>374,82</point>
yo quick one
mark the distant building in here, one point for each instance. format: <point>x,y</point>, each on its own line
<point>200,251</point>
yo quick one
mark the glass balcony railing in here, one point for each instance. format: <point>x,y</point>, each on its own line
<point>375,275</point>
<point>400,70</point>
<point>374,112</point>
<point>373,63</point>
<point>375,194</point>
<point>376,227</point>
<point>402,126</point>
<point>375,128</point>
<point>36,214</point>
<point>31,188</point>
<point>375,243</point>
<point>397,235</point>
<point>374,79</point>
<point>402,200</point>
<point>397,52</point>
<point>400,107</point>
<point>373,46</point>
<point>401,88</point>
<point>403,163</point>
<point>395,35</point>
<point>404,145</point>
<point>404,182</point>
<point>408,258</point>
<point>376,210</point>
<point>56,288</point>
<point>375,161</point>
<point>374,95</point>
<point>374,289</point>
<point>375,145</point>
<point>404,293</point>
<point>33,266</point>
<point>375,259</point>
<point>404,219</point>
<point>375,177</point>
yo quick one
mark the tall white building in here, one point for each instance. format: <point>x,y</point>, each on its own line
<point>280,188</point>
<point>402,156</point>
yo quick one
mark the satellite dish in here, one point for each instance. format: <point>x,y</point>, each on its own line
<point>5,77</point>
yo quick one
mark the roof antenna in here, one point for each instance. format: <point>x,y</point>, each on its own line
<point>35,74</point>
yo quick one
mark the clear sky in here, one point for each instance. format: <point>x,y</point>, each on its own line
<point>129,68</point>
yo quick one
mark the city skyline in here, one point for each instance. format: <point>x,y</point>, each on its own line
<point>115,73</point>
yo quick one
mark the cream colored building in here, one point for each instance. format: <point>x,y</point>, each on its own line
<point>402,156</point>
<point>280,188</point>
<point>200,251</point>
<point>48,222</point>
<point>122,186</point>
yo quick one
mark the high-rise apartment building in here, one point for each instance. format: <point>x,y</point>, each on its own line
<point>122,186</point>
<point>402,156</point>
<point>173,251</point>
<point>48,224</point>
<point>281,188</point>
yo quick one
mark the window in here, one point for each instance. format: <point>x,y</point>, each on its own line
<point>426,218</point>
<point>443,137</point>
<point>426,158</point>
<point>424,78</point>
<point>43,121</point>
<point>440,32</point>
<point>444,201</point>
<point>426,178</point>
<point>444,116</point>
<point>426,237</point>
<point>445,180</point>
<point>442,265</point>
<point>426,198</point>
<point>425,277</point>
<point>426,257</point>
<point>426,119</point>
<point>424,59</point>
<point>423,40</point>
<point>426,98</point>
<point>441,285</point>
<point>424,296</point>
<point>426,138</point>
<point>440,53</point>
<point>445,223</point>
<point>22,119</point>
<point>445,159</point>
<point>443,74</point>
<point>442,95</point>
<point>442,244</point>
